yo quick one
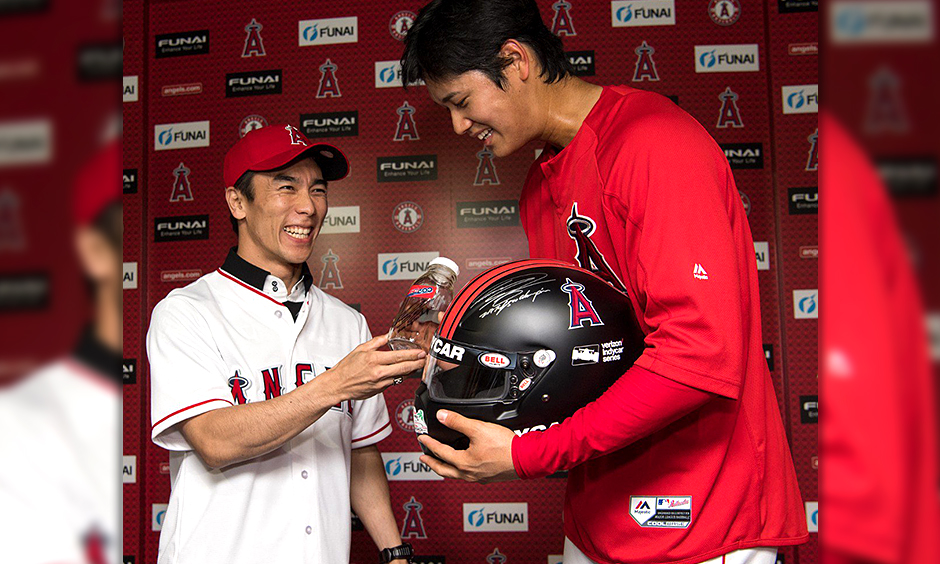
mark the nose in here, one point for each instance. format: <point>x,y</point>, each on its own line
<point>304,204</point>
<point>461,123</point>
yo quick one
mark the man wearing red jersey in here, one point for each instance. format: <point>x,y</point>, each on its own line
<point>684,459</point>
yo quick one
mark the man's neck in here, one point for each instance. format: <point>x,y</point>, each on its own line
<point>289,274</point>
<point>568,104</point>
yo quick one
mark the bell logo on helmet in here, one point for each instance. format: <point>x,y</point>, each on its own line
<point>494,360</point>
<point>581,308</point>
<point>448,350</point>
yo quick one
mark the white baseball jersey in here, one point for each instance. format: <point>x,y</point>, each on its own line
<point>59,481</point>
<point>228,338</point>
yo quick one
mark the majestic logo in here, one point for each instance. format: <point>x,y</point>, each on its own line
<point>724,12</point>
<point>495,557</point>
<point>885,112</point>
<point>486,170</point>
<point>404,415</point>
<point>331,124</point>
<point>251,123</point>
<point>561,22</point>
<point>642,13</point>
<point>406,466</point>
<point>408,217</point>
<point>809,409</point>
<point>407,168</point>
<point>727,58</point>
<point>406,128</point>
<point>582,62</point>
<point>588,256</point>
<point>645,68</point>
<point>329,276</point>
<point>400,23</point>
<point>744,155</point>
<point>802,99</point>
<point>812,161</point>
<point>803,201</point>
<point>579,306</point>
<point>673,512</point>
<point>12,234</point>
<point>341,219</point>
<point>328,31</point>
<point>413,525</point>
<point>238,384</point>
<point>254,47</point>
<point>130,180</point>
<point>805,304</point>
<point>329,86</point>
<point>257,83</point>
<point>494,213</point>
<point>129,370</point>
<point>186,135</point>
<point>181,228</point>
<point>181,44</point>
<point>729,115</point>
<point>698,272</point>
<point>130,89</point>
<point>403,266</point>
<point>182,190</point>
<point>489,517</point>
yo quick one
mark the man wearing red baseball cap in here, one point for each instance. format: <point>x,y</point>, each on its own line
<point>266,391</point>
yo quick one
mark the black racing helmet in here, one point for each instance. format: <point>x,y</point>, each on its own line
<point>525,345</point>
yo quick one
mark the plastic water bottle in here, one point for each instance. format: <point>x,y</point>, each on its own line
<point>417,318</point>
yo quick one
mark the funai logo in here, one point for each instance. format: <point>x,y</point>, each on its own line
<point>328,31</point>
<point>181,135</point>
<point>727,58</point>
<point>403,266</point>
<point>637,13</point>
<point>388,74</point>
<point>157,516</point>
<point>407,466</point>
<point>487,517</point>
<point>806,304</point>
<point>802,99</point>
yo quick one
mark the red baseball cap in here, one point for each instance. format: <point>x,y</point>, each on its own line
<point>96,185</point>
<point>271,147</point>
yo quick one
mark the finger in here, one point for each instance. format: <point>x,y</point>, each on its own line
<point>374,344</point>
<point>440,450</point>
<point>440,468</point>
<point>457,422</point>
<point>404,369</point>
<point>394,357</point>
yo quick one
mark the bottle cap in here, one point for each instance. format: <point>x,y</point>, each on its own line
<point>443,261</point>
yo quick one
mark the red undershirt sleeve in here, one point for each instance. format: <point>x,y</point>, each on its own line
<point>637,405</point>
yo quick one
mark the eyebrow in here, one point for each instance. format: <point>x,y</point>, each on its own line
<point>294,180</point>
<point>447,98</point>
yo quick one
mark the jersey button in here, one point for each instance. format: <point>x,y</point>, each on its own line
<point>309,529</point>
<point>303,474</point>
<point>278,313</point>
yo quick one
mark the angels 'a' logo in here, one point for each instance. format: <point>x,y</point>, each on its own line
<point>11,225</point>
<point>580,228</point>
<point>182,191</point>
<point>406,124</point>
<point>496,557</point>
<point>812,162</point>
<point>413,526</point>
<point>295,137</point>
<point>729,115</point>
<point>561,22</point>
<point>885,105</point>
<point>581,308</point>
<point>254,47</point>
<point>239,384</point>
<point>645,65</point>
<point>329,86</point>
<point>486,170</point>
<point>329,276</point>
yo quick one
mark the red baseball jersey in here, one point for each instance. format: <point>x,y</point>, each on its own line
<point>645,197</point>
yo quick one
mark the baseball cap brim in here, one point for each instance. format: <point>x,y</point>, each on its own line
<point>332,162</point>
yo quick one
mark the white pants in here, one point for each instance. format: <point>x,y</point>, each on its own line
<point>761,555</point>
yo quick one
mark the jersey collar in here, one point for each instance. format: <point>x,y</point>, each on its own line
<point>264,281</point>
<point>95,355</point>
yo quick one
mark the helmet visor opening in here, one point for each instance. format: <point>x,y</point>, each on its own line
<point>465,383</point>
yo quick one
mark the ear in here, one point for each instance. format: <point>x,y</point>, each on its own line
<point>522,59</point>
<point>236,202</point>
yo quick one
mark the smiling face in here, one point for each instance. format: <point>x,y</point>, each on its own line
<point>282,222</point>
<point>501,119</point>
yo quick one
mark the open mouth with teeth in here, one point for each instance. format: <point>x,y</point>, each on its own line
<point>485,134</point>
<point>301,233</point>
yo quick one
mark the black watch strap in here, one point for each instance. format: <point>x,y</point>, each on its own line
<point>401,551</point>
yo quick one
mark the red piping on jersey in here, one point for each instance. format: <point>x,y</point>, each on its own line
<point>389,422</point>
<point>480,283</point>
<point>178,411</point>
<point>253,289</point>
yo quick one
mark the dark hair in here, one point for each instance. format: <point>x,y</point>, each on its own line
<point>451,37</point>
<point>110,223</point>
<point>245,186</point>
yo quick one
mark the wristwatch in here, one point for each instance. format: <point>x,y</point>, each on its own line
<point>405,551</point>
